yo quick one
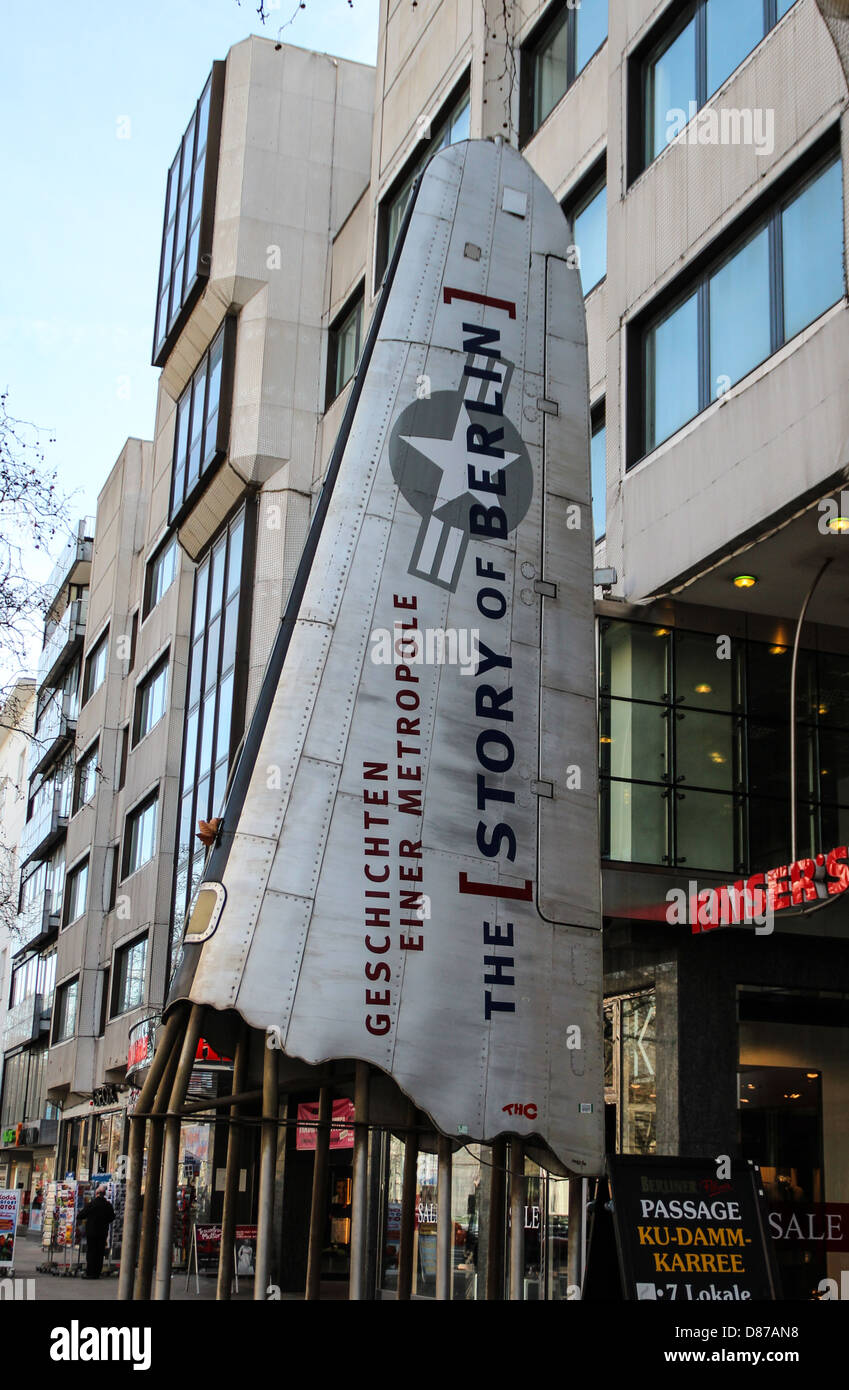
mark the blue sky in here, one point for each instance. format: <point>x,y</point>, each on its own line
<point>94,98</point>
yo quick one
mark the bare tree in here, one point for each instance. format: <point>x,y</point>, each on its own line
<point>33,511</point>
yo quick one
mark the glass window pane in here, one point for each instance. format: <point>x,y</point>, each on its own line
<point>634,823</point>
<point>550,72</point>
<point>225,712</point>
<point>834,766</point>
<point>704,675</point>
<point>460,124</point>
<point>598,470</point>
<point>833,702</point>
<point>234,558</point>
<point>812,233</point>
<point>231,623</point>
<point>589,233</point>
<point>639,1079</point>
<point>208,728</point>
<point>706,749</point>
<point>672,372</point>
<point>671,88</point>
<point>217,584</point>
<point>740,334</point>
<point>201,584</point>
<point>784,6</point>
<point>734,28</point>
<point>632,740</point>
<point>591,30</point>
<point>705,824</point>
<point>768,682</point>
<point>634,659</point>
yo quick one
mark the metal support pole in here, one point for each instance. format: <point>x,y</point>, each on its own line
<point>495,1245</point>
<point>359,1195</point>
<point>575,1246</point>
<point>267,1168</point>
<point>318,1210</point>
<point>444,1221</point>
<point>171,1155</point>
<point>231,1172</point>
<point>517,1221</point>
<point>135,1157</point>
<point>147,1244</point>
<point>793,826</point>
<point>408,1209</point>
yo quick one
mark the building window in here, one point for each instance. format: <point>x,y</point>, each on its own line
<point>598,469</point>
<point>121,758</point>
<point>187,229</point>
<point>556,53</point>
<point>630,1070</point>
<point>724,754</point>
<point>784,273</point>
<point>140,836</point>
<point>449,128</point>
<point>95,667</point>
<point>151,700</point>
<point>128,977</point>
<point>76,892</point>
<point>683,69</point>
<point>160,575</point>
<point>587,218</point>
<point>200,437</point>
<point>85,782</point>
<point>214,696</point>
<point>343,350</point>
<point>65,1012</point>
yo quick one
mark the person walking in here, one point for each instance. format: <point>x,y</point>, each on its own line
<point>98,1216</point>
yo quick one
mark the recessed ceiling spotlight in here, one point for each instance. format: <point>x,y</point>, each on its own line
<point>745,581</point>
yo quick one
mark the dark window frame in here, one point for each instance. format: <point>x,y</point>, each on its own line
<point>90,661</point>
<point>662,35</point>
<point>162,663</point>
<point>170,543</point>
<point>355,304</point>
<point>58,1034</point>
<point>578,199</point>
<point>120,954</point>
<point>132,816</point>
<point>598,422</point>
<point>72,875</point>
<point>180,506</point>
<point>556,15</point>
<point>164,339</point>
<point>415,164</point>
<point>765,212</point>
<point>77,804</point>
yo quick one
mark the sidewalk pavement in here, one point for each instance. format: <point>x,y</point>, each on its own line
<point>75,1289</point>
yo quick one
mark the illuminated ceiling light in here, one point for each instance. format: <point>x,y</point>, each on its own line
<point>744,1100</point>
<point>822,709</point>
<point>745,581</point>
<point>838,523</point>
<point>716,757</point>
<point>605,739</point>
<point>703,689</point>
<point>812,1075</point>
<point>661,632</point>
<point>777,651</point>
<point>751,1085</point>
<point>795,1095</point>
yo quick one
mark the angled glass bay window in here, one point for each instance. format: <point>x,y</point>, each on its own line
<point>128,976</point>
<point>781,276</point>
<point>202,428</point>
<point>189,205</point>
<point>86,777</point>
<point>598,470</point>
<point>65,1011</point>
<point>161,573</point>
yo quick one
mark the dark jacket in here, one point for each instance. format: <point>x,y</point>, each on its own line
<point>99,1214</point>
